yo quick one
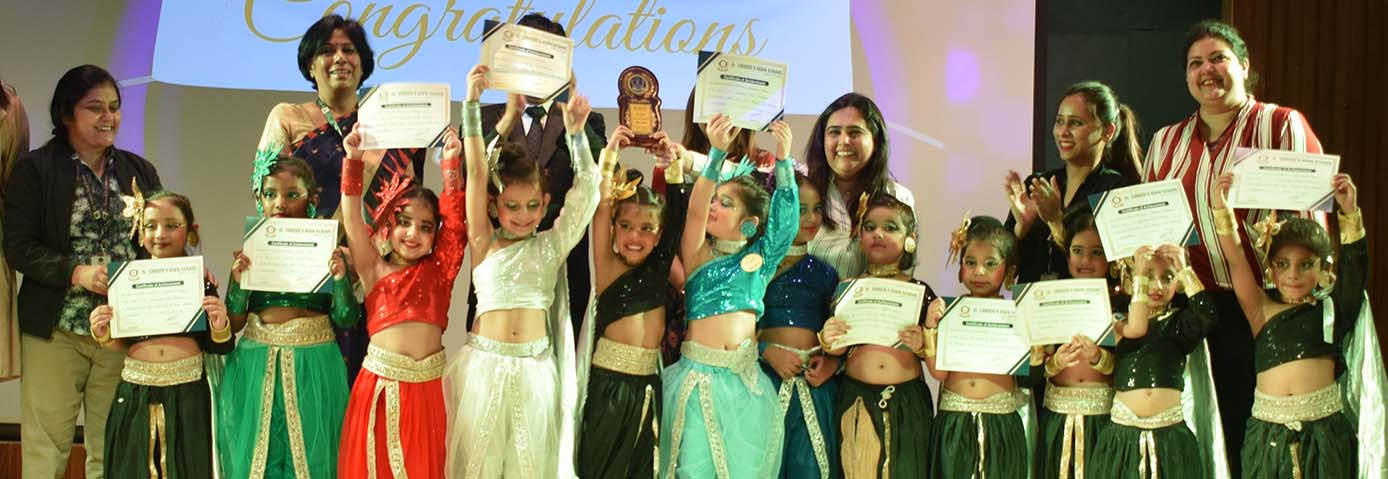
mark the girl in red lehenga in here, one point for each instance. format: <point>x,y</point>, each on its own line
<point>407,259</point>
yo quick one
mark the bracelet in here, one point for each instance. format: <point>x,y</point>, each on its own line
<point>104,339</point>
<point>1224,223</point>
<point>221,335</point>
<point>237,299</point>
<point>1351,226</point>
<point>932,338</point>
<point>1058,234</point>
<point>1190,282</point>
<point>1053,366</point>
<point>823,346</point>
<point>1106,362</point>
<point>608,162</point>
<point>714,168</point>
<point>1139,287</point>
<point>351,176</point>
<point>472,119</point>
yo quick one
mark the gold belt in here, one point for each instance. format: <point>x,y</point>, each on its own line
<point>305,331</point>
<point>399,367</point>
<point>1291,411</point>
<point>1000,403</point>
<point>1122,415</point>
<point>172,373</point>
<point>625,358</point>
<point>742,362</point>
<point>520,350</point>
<point>1083,401</point>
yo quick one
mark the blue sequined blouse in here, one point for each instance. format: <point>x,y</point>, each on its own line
<point>800,295</point>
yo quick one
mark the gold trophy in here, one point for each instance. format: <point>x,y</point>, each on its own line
<point>639,104</point>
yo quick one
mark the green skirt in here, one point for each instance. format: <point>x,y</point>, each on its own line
<point>281,419</point>
<point>160,431</point>
<point>862,425</point>
<point>620,423</point>
<point>1052,441</point>
<point>1324,448</point>
<point>956,451</point>
<point>1119,454</point>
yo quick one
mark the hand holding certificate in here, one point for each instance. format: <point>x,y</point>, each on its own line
<point>156,296</point>
<point>288,254</point>
<point>749,90</point>
<point>1141,215</point>
<point>526,60</point>
<point>1283,180</point>
<point>875,309</point>
<point>982,335</point>
<point>1057,310</point>
<point>404,115</point>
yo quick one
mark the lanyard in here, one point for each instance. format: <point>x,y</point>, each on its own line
<point>327,113</point>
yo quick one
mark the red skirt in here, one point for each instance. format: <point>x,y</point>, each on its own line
<point>396,419</point>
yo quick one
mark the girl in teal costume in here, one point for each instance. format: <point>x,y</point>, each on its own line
<point>284,391</point>
<point>721,411</point>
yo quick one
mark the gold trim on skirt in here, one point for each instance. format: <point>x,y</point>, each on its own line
<point>399,367</point>
<point>1084,401</point>
<point>742,362</point>
<point>1291,411</point>
<point>625,358</point>
<point>304,331</point>
<point>171,373</point>
<point>1000,403</point>
<point>1124,416</point>
<point>516,350</point>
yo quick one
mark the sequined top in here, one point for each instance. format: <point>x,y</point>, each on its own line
<point>838,246</point>
<point>341,305</point>
<point>1158,359</point>
<point>721,285</point>
<point>423,291</point>
<point>1297,332</point>
<point>522,275</point>
<point>642,288</point>
<point>204,338</point>
<point>800,295</point>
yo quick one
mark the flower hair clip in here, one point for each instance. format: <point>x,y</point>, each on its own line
<point>622,190</point>
<point>134,208</point>
<point>744,168</point>
<point>388,198</point>
<point>958,238</point>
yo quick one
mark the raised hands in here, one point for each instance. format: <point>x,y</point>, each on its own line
<point>477,83</point>
<point>576,113</point>
<point>781,131</point>
<point>1346,194</point>
<point>721,132</point>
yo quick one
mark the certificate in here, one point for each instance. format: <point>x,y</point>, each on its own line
<point>750,91</point>
<point>876,310</point>
<point>1149,214</point>
<point>1055,311</point>
<point>1283,180</point>
<point>527,61</point>
<point>982,335</point>
<point>288,254</point>
<point>404,115</point>
<point>156,296</point>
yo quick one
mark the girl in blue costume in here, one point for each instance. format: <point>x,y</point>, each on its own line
<point>721,412</point>
<point>284,392</point>
<point>797,303</point>
<point>1299,428</point>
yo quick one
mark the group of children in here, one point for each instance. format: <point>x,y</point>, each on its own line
<point>758,389</point>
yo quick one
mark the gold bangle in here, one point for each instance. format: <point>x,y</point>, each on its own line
<point>1058,234</point>
<point>1225,222</point>
<point>930,337</point>
<point>104,339</point>
<point>674,173</point>
<point>823,346</point>
<point>1106,362</point>
<point>1138,299</point>
<point>1190,283</point>
<point>1053,366</point>
<point>221,335</point>
<point>1351,226</point>
<point>1139,287</point>
<point>608,160</point>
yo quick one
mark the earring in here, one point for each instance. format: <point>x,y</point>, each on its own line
<point>491,210</point>
<point>192,238</point>
<point>383,246</point>
<point>910,245</point>
<point>312,210</point>
<point>1326,280</point>
<point>748,228</point>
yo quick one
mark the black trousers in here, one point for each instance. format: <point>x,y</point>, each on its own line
<point>1231,359</point>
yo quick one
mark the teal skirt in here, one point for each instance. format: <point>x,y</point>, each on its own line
<point>714,425</point>
<point>282,419</point>
<point>805,442</point>
<point>1119,454</point>
<point>1324,448</point>
<point>956,453</point>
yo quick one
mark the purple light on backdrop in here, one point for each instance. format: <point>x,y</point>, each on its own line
<point>132,61</point>
<point>879,47</point>
<point>962,78</point>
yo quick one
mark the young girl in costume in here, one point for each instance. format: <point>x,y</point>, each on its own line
<point>797,304</point>
<point>884,408</point>
<point>284,391</point>
<point>720,410</point>
<point>979,431</point>
<point>512,389</point>
<point>161,420</point>
<point>635,236</point>
<point>1078,391</point>
<point>1149,437</point>
<point>1298,427</point>
<point>407,259</point>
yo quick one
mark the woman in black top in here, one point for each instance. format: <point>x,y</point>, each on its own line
<point>1097,139</point>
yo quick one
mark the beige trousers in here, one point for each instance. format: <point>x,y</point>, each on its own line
<point>67,374</point>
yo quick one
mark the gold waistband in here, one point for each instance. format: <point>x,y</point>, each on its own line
<point>1122,415</point>
<point>170,373</point>
<point>519,350</point>
<point>399,367</point>
<point>742,362</point>
<point>625,358</point>
<point>1084,401</point>
<point>304,331</point>
<point>1291,411</point>
<point>1000,403</point>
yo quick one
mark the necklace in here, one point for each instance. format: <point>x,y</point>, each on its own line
<point>508,236</point>
<point>798,250</point>
<point>884,270</point>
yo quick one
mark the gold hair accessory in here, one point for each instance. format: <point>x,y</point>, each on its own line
<point>1267,228</point>
<point>494,157</point>
<point>134,209</point>
<point>862,210</point>
<point>958,238</point>
<point>909,246</point>
<point>622,190</point>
